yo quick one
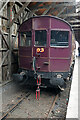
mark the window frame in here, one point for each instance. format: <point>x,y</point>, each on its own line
<point>58,45</point>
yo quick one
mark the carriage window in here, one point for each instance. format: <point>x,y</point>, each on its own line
<point>40,37</point>
<point>26,39</point>
<point>23,39</point>
<point>59,38</point>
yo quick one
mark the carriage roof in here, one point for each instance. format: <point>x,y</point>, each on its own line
<point>55,17</point>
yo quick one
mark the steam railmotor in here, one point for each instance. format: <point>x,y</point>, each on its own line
<point>46,49</point>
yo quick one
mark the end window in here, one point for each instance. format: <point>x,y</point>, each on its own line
<point>59,38</point>
<point>40,37</point>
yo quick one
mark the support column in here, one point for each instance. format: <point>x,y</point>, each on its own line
<point>0,67</point>
<point>0,53</point>
<point>10,39</point>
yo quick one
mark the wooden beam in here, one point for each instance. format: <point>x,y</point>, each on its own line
<point>3,49</point>
<point>4,6</point>
<point>3,17</point>
<point>33,9</point>
<point>77,25</point>
<point>10,40</point>
<point>32,13</point>
<point>70,15</point>
<point>4,58</point>
<point>4,39</point>
<point>25,16</point>
<point>55,6</point>
<point>36,5</point>
<point>78,4</point>
<point>61,11</point>
<point>46,11</point>
<point>66,4</point>
<point>49,7</point>
<point>0,59</point>
<point>78,10</point>
<point>76,29</point>
<point>20,5</point>
<point>41,7</point>
<point>18,14</point>
<point>11,63</point>
<point>74,21</point>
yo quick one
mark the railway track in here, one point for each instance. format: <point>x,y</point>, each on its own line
<point>49,105</point>
<point>52,106</point>
<point>14,106</point>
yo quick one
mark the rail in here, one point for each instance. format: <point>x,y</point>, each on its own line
<point>14,106</point>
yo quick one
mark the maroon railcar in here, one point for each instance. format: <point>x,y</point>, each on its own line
<point>45,49</point>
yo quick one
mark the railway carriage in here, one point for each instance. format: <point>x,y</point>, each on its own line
<point>46,49</point>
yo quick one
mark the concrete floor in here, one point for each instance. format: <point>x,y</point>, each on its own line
<point>72,110</point>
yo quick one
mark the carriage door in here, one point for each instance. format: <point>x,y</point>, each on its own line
<point>40,51</point>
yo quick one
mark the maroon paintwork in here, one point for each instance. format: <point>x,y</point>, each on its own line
<point>58,57</point>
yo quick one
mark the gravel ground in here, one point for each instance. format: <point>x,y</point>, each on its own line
<point>32,108</point>
<point>11,93</point>
<point>61,104</point>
